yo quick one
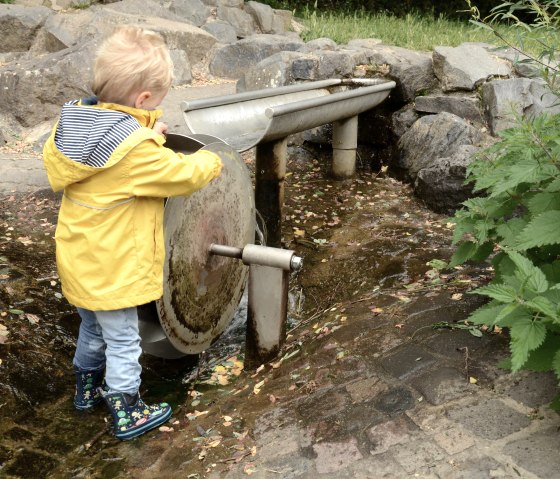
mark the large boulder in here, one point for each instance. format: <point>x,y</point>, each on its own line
<point>221,30</point>
<point>20,25</point>
<point>467,66</point>
<point>441,186</point>
<point>507,99</point>
<point>243,22</point>
<point>466,106</point>
<point>411,70</point>
<point>280,69</point>
<point>33,91</point>
<point>433,137</point>
<point>232,61</point>
<point>192,11</point>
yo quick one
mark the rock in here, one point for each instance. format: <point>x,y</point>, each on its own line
<point>232,61</point>
<point>230,3</point>
<point>19,26</point>
<point>411,70</point>
<point>467,66</point>
<point>153,8</point>
<point>335,64</point>
<point>465,106</point>
<point>193,11</point>
<point>504,99</point>
<point>283,22</point>
<point>279,69</point>
<point>441,185</point>
<point>50,81</point>
<point>221,30</point>
<point>181,67</point>
<point>403,119</point>
<point>262,14</point>
<point>243,23</point>
<point>318,44</point>
<point>433,137</point>
<point>367,43</point>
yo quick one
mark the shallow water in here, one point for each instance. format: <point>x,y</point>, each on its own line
<point>359,239</point>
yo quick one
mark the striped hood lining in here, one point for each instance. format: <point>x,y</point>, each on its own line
<point>89,135</point>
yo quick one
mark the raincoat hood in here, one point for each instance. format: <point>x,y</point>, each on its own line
<point>90,137</point>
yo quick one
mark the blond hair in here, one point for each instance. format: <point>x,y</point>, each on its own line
<point>130,61</point>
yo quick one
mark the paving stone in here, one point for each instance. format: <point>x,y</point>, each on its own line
<point>449,343</point>
<point>395,401</point>
<point>426,455</point>
<point>537,453</point>
<point>365,389</point>
<point>407,361</point>
<point>453,440</point>
<point>381,466</point>
<point>472,464</point>
<point>386,434</point>
<point>533,389</point>
<point>489,418</point>
<point>443,384</point>
<point>332,457</point>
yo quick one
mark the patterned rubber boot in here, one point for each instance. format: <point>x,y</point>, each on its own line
<point>132,417</point>
<point>87,384</point>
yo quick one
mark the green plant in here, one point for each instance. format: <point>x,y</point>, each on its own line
<point>516,218</point>
<point>7,1</point>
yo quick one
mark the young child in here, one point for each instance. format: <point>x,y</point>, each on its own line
<point>107,153</point>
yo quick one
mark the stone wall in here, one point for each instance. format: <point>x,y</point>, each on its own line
<point>448,103</point>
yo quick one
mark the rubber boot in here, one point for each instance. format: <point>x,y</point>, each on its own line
<point>132,417</point>
<point>87,383</point>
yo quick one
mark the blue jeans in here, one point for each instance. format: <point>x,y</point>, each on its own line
<point>111,339</point>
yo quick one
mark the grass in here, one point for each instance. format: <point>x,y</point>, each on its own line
<point>414,31</point>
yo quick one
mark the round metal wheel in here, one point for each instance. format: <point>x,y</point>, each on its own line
<point>202,291</point>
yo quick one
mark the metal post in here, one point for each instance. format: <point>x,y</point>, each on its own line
<point>270,172</point>
<point>266,314</point>
<point>344,143</point>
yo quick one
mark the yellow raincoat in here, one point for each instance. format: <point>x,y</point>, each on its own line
<point>115,172</point>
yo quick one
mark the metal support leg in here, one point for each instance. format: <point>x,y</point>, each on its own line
<point>345,142</point>
<point>270,172</point>
<point>266,314</point>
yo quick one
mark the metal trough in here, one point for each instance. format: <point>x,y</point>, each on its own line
<point>265,118</point>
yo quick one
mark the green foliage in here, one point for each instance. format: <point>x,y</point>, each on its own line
<point>7,1</point>
<point>516,218</point>
<point>452,9</point>
<point>413,30</point>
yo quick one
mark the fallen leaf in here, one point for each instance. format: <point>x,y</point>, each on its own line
<point>473,380</point>
<point>456,296</point>
<point>166,429</point>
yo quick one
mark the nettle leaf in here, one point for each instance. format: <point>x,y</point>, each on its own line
<point>499,292</point>
<point>527,271</point>
<point>552,272</point>
<point>542,202</point>
<point>463,253</point>
<point>556,363</point>
<point>541,359</point>
<point>553,186</point>
<point>525,337</point>
<point>542,305</point>
<point>485,314</point>
<point>544,229</point>
<point>510,231</point>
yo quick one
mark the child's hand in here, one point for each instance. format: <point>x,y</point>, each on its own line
<point>161,128</point>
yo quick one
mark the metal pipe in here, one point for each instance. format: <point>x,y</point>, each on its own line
<point>270,172</point>
<point>223,250</point>
<point>344,143</point>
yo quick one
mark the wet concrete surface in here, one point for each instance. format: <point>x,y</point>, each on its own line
<point>379,377</point>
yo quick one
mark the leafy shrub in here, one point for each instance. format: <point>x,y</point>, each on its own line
<point>516,218</point>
